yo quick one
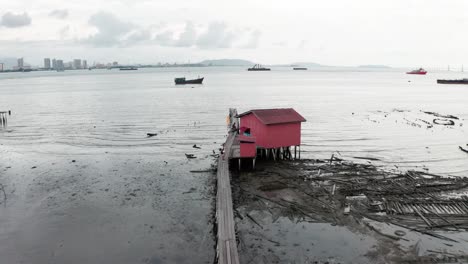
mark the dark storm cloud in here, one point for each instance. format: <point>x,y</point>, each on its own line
<point>12,20</point>
<point>59,13</point>
<point>111,30</point>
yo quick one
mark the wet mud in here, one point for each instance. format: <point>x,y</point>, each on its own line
<point>107,208</point>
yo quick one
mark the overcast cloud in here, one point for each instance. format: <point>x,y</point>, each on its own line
<point>12,20</point>
<point>111,30</point>
<point>336,32</point>
<point>59,13</point>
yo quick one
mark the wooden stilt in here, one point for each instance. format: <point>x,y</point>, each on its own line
<point>299,152</point>
<point>239,164</point>
<point>253,163</point>
<point>274,154</point>
<point>295,149</point>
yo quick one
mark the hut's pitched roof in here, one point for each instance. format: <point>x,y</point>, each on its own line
<point>276,116</point>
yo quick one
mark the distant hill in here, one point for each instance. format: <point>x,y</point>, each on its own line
<point>227,62</point>
<point>375,66</point>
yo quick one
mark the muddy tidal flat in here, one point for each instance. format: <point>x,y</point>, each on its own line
<point>94,167</point>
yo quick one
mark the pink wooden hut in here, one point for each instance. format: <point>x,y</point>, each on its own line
<point>274,130</point>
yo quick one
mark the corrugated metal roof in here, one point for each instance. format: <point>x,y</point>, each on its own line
<point>276,116</point>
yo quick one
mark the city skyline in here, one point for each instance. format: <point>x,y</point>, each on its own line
<point>395,33</point>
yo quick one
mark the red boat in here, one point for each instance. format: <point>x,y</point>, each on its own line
<point>418,71</point>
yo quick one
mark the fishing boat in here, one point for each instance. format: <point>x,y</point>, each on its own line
<point>258,67</point>
<point>182,80</point>
<point>459,81</point>
<point>419,71</point>
<point>300,69</point>
<point>131,68</point>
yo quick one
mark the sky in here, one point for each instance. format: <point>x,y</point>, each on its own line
<point>330,32</point>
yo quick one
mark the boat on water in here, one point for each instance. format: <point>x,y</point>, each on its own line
<point>300,68</point>
<point>131,68</point>
<point>182,80</point>
<point>459,81</point>
<point>419,71</point>
<point>258,67</point>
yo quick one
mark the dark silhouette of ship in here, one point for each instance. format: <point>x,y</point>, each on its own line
<point>258,67</point>
<point>182,80</point>
<point>459,81</point>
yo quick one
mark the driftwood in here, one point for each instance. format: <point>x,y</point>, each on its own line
<point>462,149</point>
<point>440,115</point>
<point>253,220</point>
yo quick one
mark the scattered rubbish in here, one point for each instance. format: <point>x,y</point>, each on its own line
<point>347,209</point>
<point>400,232</point>
<point>420,119</point>
<point>151,134</point>
<point>445,122</point>
<point>190,156</point>
<point>197,147</point>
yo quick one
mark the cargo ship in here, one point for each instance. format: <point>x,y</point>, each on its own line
<point>459,81</point>
<point>419,71</point>
<point>258,67</point>
<point>182,80</point>
<point>131,68</point>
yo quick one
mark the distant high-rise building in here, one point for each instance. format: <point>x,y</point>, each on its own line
<point>1,66</point>
<point>47,63</point>
<point>76,64</point>
<point>20,63</point>
<point>54,64</point>
<point>85,64</point>
<point>60,66</point>
<point>115,63</point>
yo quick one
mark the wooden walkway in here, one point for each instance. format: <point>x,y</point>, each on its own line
<point>227,245</point>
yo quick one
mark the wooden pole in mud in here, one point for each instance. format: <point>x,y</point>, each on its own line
<point>295,150</point>
<point>299,151</point>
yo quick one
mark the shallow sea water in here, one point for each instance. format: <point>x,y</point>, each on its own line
<point>85,184</point>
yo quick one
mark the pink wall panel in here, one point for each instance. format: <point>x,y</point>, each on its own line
<point>272,136</point>
<point>248,150</point>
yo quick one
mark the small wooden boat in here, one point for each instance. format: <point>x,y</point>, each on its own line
<point>258,67</point>
<point>300,69</point>
<point>185,81</point>
<point>459,81</point>
<point>419,71</point>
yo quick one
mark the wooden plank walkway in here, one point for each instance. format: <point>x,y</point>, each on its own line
<point>227,245</point>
